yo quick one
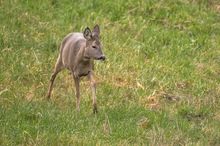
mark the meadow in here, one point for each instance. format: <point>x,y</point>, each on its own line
<point>159,85</point>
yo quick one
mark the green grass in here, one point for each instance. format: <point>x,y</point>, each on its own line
<point>160,84</point>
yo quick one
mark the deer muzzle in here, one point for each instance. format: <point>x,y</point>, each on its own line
<point>102,57</point>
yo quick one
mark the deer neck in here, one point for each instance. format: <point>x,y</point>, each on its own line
<point>85,56</point>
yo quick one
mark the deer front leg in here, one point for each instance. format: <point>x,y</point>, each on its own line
<point>77,80</point>
<point>93,84</point>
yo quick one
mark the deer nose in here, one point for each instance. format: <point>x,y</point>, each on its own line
<point>101,57</point>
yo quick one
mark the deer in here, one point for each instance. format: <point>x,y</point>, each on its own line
<point>77,54</point>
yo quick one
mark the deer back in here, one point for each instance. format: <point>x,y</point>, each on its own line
<point>72,49</point>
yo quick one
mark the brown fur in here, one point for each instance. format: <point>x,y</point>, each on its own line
<point>77,53</point>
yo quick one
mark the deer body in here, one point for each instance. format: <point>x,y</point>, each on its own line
<point>72,54</point>
<point>77,53</point>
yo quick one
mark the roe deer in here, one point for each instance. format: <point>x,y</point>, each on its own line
<point>77,53</point>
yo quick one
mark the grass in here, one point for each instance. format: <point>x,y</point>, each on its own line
<point>160,84</point>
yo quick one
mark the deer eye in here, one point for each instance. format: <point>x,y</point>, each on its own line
<point>94,47</point>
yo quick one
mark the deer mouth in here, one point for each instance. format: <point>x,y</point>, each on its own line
<point>101,58</point>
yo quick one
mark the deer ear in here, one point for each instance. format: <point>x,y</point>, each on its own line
<point>96,31</point>
<point>87,34</point>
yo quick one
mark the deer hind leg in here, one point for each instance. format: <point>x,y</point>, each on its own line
<point>93,84</point>
<point>57,69</point>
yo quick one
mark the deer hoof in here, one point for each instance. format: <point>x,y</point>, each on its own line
<point>95,110</point>
<point>48,98</point>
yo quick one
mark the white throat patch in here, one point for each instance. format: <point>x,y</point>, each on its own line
<point>85,59</point>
